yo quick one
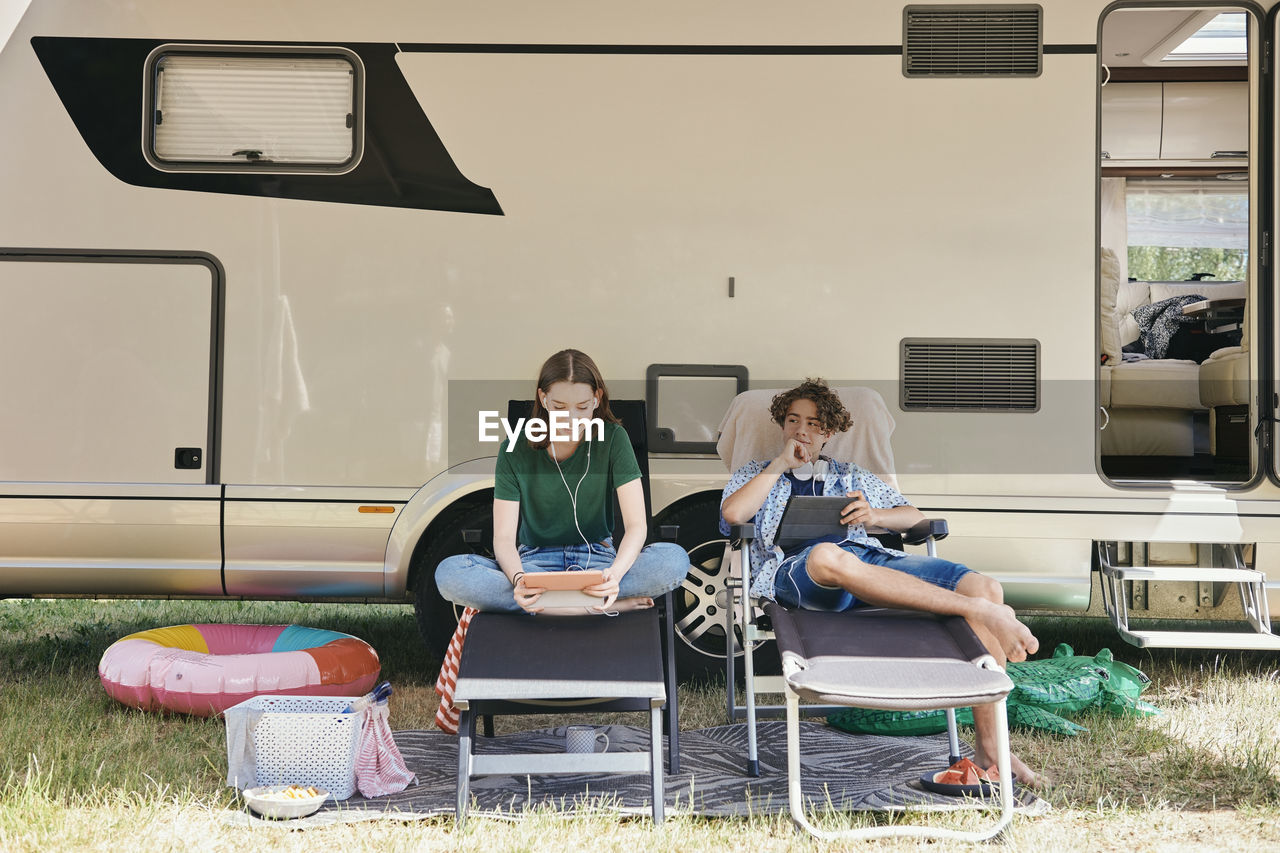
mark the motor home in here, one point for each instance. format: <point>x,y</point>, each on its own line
<point>263,265</point>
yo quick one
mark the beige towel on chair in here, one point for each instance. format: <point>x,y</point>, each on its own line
<point>748,433</point>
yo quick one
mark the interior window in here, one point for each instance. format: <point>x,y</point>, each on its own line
<point>1181,230</point>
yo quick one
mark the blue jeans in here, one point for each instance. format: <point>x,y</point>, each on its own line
<point>475,581</point>
<point>793,587</point>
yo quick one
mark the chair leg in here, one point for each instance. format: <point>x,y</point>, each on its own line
<point>796,800</point>
<point>953,738</point>
<point>655,764</point>
<point>466,731</point>
<point>748,672</point>
<point>671,720</point>
<point>730,664</point>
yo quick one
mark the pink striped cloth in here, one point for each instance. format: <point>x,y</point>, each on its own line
<point>447,715</point>
<point>380,768</point>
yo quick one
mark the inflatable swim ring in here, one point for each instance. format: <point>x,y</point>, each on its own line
<point>205,669</point>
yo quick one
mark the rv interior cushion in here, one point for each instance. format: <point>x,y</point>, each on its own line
<point>1131,295</point>
<point>1224,378</point>
<point>1109,321</point>
<point>1208,289</point>
<point>1163,383</point>
<point>747,433</point>
<point>1148,432</point>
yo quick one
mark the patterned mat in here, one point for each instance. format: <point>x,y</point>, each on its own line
<point>841,771</point>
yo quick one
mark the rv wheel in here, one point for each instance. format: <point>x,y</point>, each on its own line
<point>701,602</point>
<point>437,617</point>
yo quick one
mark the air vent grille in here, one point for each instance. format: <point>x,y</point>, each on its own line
<point>971,41</point>
<point>970,375</point>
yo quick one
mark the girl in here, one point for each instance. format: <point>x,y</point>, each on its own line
<point>552,510</point>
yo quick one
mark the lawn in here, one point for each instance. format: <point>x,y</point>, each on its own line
<point>78,771</point>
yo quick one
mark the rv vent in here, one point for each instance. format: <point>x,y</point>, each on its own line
<point>970,375</point>
<point>971,41</point>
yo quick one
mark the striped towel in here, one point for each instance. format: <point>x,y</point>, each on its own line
<point>380,768</point>
<point>447,715</point>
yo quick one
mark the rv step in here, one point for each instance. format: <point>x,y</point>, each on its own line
<point>1203,640</point>
<point>1184,573</point>
<point>1253,599</point>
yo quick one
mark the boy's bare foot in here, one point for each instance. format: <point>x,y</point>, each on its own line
<point>1015,638</point>
<point>1022,774</point>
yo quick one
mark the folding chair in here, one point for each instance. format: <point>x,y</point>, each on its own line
<point>520,664</point>
<point>867,657</point>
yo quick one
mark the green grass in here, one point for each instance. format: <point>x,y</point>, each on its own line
<point>79,771</point>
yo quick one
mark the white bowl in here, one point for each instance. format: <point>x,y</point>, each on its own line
<point>300,807</point>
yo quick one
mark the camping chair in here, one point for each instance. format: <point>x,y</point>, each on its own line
<point>518,664</point>
<point>868,657</point>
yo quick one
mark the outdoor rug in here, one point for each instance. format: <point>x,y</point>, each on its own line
<point>842,771</point>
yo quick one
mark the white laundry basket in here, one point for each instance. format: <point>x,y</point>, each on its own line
<point>303,740</point>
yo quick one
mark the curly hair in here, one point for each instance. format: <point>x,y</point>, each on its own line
<point>832,414</point>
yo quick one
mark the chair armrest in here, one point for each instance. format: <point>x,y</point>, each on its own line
<point>923,531</point>
<point>742,531</point>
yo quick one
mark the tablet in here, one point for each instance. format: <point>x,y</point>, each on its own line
<point>558,598</point>
<point>564,580</point>
<point>809,517</point>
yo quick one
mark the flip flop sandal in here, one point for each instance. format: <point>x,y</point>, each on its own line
<point>962,779</point>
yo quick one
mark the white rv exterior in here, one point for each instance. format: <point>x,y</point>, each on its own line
<point>325,360</point>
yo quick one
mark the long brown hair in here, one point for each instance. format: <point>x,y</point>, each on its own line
<point>573,366</point>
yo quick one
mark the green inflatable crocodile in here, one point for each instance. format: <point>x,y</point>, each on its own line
<point>1043,690</point>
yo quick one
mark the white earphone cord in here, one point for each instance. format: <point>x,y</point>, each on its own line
<point>573,502</point>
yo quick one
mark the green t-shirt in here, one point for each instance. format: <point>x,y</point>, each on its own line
<point>546,513</point>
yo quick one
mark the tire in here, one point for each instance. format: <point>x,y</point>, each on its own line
<point>438,617</point>
<point>702,600</point>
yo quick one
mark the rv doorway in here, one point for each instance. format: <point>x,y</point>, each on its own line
<point>1177,272</point>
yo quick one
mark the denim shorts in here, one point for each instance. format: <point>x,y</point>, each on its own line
<point>793,587</point>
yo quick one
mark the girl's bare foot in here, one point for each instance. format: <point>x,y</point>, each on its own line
<point>623,605</point>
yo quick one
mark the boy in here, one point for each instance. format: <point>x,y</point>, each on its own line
<point>838,573</point>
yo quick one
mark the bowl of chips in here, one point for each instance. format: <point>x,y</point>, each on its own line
<point>285,801</point>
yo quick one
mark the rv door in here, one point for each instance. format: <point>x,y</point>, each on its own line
<point>1268,386</point>
<point>107,446</point>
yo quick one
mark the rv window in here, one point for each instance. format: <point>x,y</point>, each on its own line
<point>253,113</point>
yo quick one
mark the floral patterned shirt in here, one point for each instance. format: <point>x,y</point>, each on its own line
<point>841,478</point>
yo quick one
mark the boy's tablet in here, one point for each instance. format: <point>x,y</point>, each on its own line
<point>810,517</point>
<point>564,580</point>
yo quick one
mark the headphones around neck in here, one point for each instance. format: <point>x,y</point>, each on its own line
<point>811,470</point>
